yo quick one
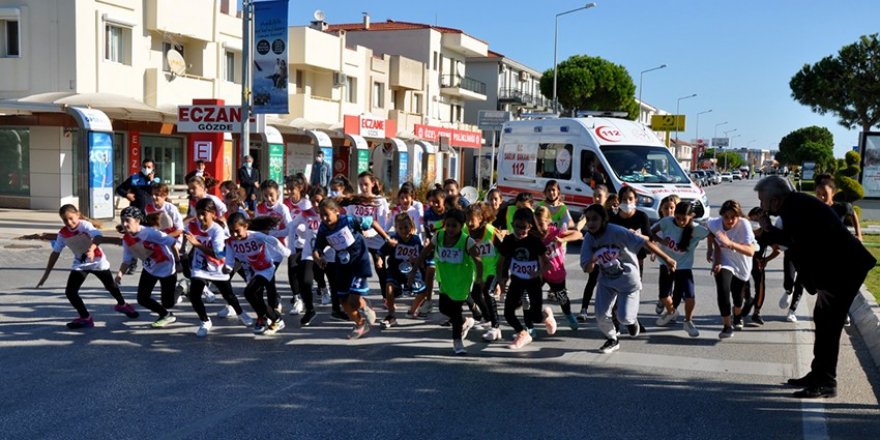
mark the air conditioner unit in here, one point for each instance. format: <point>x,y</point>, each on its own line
<point>339,79</point>
<point>524,76</point>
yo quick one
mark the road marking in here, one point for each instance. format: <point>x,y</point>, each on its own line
<point>815,423</point>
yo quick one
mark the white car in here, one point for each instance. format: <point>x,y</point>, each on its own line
<point>726,177</point>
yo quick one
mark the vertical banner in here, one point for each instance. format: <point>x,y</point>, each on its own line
<point>870,176</point>
<point>101,174</point>
<point>404,167</point>
<point>134,152</point>
<point>270,57</point>
<point>276,162</point>
<point>363,161</point>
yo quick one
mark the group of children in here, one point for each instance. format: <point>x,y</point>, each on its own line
<point>476,253</point>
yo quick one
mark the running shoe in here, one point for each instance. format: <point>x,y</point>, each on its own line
<point>634,329</point>
<point>583,316</point>
<point>531,332</point>
<point>87,322</point>
<point>325,297</point>
<point>276,326</point>
<point>522,339</point>
<point>737,323</point>
<point>370,314</point>
<point>726,332</point>
<point>208,296</point>
<point>466,327</point>
<point>549,321</point>
<point>659,308</point>
<point>359,331</point>
<point>691,329</point>
<point>458,347</point>
<point>246,319</point>
<point>492,335</point>
<point>426,308</point>
<point>446,323</point>
<point>307,318</point>
<point>297,307</point>
<point>389,321</point>
<point>279,309</point>
<point>667,318</point>
<point>757,320</point>
<point>227,312</point>
<point>791,317</point>
<point>338,315</point>
<point>260,326</point>
<point>785,301</point>
<point>127,309</point>
<point>572,321</point>
<point>204,328</point>
<point>164,321</point>
<point>610,346</point>
<point>414,315</point>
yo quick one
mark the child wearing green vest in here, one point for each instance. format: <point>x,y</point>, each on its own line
<point>523,200</point>
<point>458,267</point>
<point>479,215</point>
<point>559,214</point>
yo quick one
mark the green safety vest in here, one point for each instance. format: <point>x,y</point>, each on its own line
<point>556,217</point>
<point>455,267</point>
<point>487,251</point>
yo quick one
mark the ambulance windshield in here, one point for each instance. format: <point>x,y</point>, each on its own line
<point>641,164</point>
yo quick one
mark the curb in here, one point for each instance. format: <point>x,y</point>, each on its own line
<point>865,314</point>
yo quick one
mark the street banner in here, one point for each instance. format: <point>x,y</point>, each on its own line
<point>270,57</point>
<point>276,162</point>
<point>101,174</point>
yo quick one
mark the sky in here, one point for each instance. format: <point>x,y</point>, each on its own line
<point>737,56</point>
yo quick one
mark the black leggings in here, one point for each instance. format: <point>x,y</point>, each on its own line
<point>452,309</point>
<point>791,281</point>
<point>333,279</point>
<point>760,288</point>
<point>381,272</point>
<point>195,296</point>
<point>485,300</point>
<point>590,288</point>
<point>168,296</point>
<point>300,274</point>
<point>319,275</point>
<point>253,292</point>
<point>562,295</point>
<point>519,287</point>
<point>727,285</point>
<point>76,279</point>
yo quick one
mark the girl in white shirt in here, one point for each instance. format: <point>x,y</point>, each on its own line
<point>300,266</point>
<point>297,202</point>
<point>734,246</point>
<point>82,238</point>
<point>198,191</point>
<point>370,186</point>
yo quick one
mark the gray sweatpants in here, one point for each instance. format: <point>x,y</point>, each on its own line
<point>627,308</point>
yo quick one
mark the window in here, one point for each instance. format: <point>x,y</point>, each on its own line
<point>436,55</point>
<point>592,172</point>
<point>15,168</point>
<point>300,80</point>
<point>9,38</point>
<point>230,66</point>
<point>351,89</point>
<point>554,161</point>
<point>417,103</point>
<point>378,95</point>
<point>168,154</point>
<point>116,44</point>
<point>638,164</point>
<point>166,47</point>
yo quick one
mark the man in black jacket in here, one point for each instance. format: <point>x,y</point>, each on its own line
<point>249,181</point>
<point>831,262</point>
<point>137,189</point>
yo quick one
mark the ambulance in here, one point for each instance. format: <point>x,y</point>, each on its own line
<point>580,153</point>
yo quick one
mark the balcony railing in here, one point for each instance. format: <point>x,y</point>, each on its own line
<point>463,82</point>
<point>517,96</point>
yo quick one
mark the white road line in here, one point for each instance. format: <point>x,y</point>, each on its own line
<point>815,423</point>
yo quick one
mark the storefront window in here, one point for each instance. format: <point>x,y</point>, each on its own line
<point>168,154</point>
<point>15,166</point>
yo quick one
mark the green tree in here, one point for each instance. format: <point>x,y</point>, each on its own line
<point>592,83</point>
<point>847,85</point>
<point>728,160</point>
<point>811,143</point>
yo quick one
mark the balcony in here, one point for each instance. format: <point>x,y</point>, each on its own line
<point>314,108</point>
<point>195,20</point>
<point>406,122</point>
<point>313,48</point>
<point>162,92</point>
<point>406,73</point>
<point>463,87</point>
<point>512,96</point>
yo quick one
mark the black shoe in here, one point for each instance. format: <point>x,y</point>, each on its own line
<point>634,329</point>
<point>814,392</point>
<point>338,315</point>
<point>446,323</point>
<point>757,320</point>
<point>802,382</point>
<point>307,318</point>
<point>737,323</point>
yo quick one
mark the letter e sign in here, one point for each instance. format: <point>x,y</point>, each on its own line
<point>202,150</point>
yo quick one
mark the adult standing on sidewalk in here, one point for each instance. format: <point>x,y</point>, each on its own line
<point>321,173</point>
<point>830,260</point>
<point>249,180</point>
<point>138,188</point>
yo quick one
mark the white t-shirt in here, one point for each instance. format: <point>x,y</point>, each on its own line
<point>154,248</point>
<point>303,231</point>
<point>279,211</point>
<point>259,252</point>
<point>415,213</point>
<point>79,239</point>
<point>203,266</point>
<point>741,233</point>
<point>221,207</point>
<point>379,212</point>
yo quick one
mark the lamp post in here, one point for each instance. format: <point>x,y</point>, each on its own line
<point>555,47</point>
<point>698,121</point>
<point>662,66</point>
<point>715,135</point>
<point>726,135</point>
<point>677,105</point>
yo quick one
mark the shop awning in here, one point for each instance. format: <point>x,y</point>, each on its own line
<point>359,142</point>
<point>115,106</point>
<point>321,139</point>
<point>399,145</point>
<point>427,146</point>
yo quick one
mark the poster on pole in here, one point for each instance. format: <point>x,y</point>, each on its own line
<point>871,164</point>
<point>101,174</point>
<point>276,162</point>
<point>270,57</point>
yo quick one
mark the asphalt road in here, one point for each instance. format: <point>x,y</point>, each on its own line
<point>123,379</point>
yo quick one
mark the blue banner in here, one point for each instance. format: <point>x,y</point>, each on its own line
<point>270,57</point>
<point>101,174</point>
<point>404,166</point>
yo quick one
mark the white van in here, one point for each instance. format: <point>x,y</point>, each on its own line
<point>580,152</point>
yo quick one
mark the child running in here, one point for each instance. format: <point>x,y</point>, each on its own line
<point>479,215</point>
<point>759,264</point>
<point>343,233</point>
<point>159,253</point>
<point>555,240</point>
<point>613,249</point>
<point>679,237</point>
<point>600,196</point>
<point>301,269</point>
<point>261,254</point>
<point>666,209</point>
<point>559,214</point>
<point>208,238</point>
<point>170,221</point>
<point>732,262</point>
<point>81,237</point>
<point>422,305</point>
<point>197,191</point>
<point>402,253</point>
<point>457,263</point>
<point>526,255</point>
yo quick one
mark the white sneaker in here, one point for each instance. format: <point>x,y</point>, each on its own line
<point>691,329</point>
<point>227,312</point>
<point>791,317</point>
<point>325,297</point>
<point>246,319</point>
<point>298,306</point>
<point>785,301</point>
<point>666,318</point>
<point>583,316</point>
<point>427,307</point>
<point>204,328</point>
<point>492,335</point>
<point>458,347</point>
<point>468,325</point>
<point>208,296</point>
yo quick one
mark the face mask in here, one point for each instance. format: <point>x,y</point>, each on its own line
<point>755,225</point>
<point>147,171</point>
<point>200,173</point>
<point>334,193</point>
<point>247,164</point>
<point>319,159</point>
<point>627,208</point>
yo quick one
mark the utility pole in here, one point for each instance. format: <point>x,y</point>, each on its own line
<point>247,8</point>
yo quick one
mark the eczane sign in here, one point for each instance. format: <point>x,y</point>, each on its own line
<point>208,118</point>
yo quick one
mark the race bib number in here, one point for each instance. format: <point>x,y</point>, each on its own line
<point>485,249</point>
<point>450,255</point>
<point>341,239</point>
<point>524,269</point>
<point>608,259</point>
<point>364,211</point>
<point>405,253</point>
<point>553,251</point>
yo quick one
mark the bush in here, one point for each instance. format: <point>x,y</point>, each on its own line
<point>853,158</point>
<point>808,186</point>
<point>849,189</point>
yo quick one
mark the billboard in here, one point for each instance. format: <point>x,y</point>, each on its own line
<point>270,57</point>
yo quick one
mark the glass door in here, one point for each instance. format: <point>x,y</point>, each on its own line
<point>168,154</point>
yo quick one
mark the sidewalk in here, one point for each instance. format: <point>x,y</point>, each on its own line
<point>19,228</point>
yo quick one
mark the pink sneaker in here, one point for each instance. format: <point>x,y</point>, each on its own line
<point>127,309</point>
<point>521,340</point>
<point>549,321</point>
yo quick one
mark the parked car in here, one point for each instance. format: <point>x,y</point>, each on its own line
<point>726,177</point>
<point>701,177</point>
<point>696,178</point>
<point>714,176</point>
<point>737,175</point>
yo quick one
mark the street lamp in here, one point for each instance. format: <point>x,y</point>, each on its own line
<point>698,121</point>
<point>556,45</point>
<point>662,66</point>
<point>715,147</point>
<point>677,105</point>
<point>715,133</point>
